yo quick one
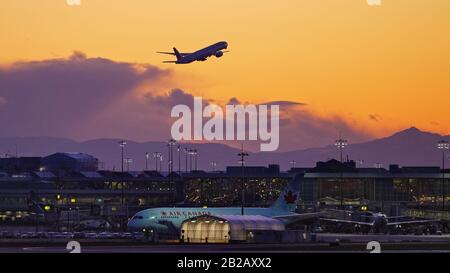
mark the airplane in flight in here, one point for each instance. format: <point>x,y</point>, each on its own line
<point>164,219</point>
<point>217,49</point>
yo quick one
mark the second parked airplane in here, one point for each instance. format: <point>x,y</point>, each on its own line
<point>201,55</point>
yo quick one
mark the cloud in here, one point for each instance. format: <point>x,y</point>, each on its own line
<point>233,101</point>
<point>303,128</point>
<point>434,123</point>
<point>57,96</point>
<point>170,99</point>
<point>374,117</point>
<point>284,103</point>
<point>85,98</point>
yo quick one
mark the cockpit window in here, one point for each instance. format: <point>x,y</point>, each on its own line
<point>137,217</point>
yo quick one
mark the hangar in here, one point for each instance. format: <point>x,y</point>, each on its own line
<point>229,228</point>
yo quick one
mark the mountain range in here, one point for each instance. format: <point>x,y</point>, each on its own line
<point>410,147</point>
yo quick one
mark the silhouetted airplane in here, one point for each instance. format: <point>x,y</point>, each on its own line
<point>200,55</point>
<point>376,221</point>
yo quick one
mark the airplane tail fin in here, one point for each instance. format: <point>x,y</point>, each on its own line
<point>33,204</point>
<point>177,53</point>
<point>288,199</point>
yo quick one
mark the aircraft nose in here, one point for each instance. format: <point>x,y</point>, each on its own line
<point>132,225</point>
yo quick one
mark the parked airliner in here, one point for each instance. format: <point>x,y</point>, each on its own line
<point>159,219</point>
<point>375,221</point>
<point>217,49</point>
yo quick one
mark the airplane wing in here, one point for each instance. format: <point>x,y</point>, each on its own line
<point>392,218</point>
<point>347,222</point>
<point>412,222</point>
<point>292,218</point>
<point>172,53</point>
<point>168,62</point>
<point>168,53</point>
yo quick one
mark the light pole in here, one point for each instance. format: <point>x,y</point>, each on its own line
<point>360,162</point>
<point>194,153</point>
<point>242,155</point>
<point>156,155</point>
<point>161,159</point>
<point>293,162</point>
<point>128,161</point>
<point>168,157</point>
<point>146,160</point>
<point>170,144</point>
<point>341,144</point>
<point>196,157</point>
<point>213,164</point>
<point>443,145</point>
<point>179,159</point>
<point>191,152</point>
<point>122,144</point>
<point>186,152</point>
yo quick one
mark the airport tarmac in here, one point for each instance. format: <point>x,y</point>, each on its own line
<point>244,248</point>
<point>361,238</point>
<point>325,243</point>
<point>321,242</point>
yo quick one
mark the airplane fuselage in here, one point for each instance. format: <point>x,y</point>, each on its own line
<point>153,218</point>
<point>203,54</point>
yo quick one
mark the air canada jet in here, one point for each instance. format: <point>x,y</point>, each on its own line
<point>160,219</point>
<point>201,55</point>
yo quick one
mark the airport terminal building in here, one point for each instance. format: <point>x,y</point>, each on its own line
<point>78,186</point>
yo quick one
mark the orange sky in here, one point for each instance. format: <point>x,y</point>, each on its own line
<point>338,56</point>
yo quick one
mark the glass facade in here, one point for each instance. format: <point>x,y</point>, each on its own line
<point>103,195</point>
<point>327,190</point>
<point>227,191</point>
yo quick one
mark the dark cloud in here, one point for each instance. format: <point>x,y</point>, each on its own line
<point>374,117</point>
<point>233,101</point>
<point>435,123</point>
<point>284,103</point>
<point>55,97</point>
<point>172,98</point>
<point>301,128</point>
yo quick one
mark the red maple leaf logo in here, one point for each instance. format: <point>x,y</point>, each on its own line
<point>290,198</point>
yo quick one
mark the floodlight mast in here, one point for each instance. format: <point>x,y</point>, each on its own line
<point>444,146</point>
<point>242,156</point>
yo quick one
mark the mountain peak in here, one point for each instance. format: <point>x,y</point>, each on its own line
<point>410,130</point>
<point>412,133</point>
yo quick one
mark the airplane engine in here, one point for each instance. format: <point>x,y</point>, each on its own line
<point>218,54</point>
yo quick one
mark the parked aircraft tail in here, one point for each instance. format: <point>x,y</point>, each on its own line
<point>288,199</point>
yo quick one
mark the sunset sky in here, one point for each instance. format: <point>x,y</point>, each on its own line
<point>376,69</point>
